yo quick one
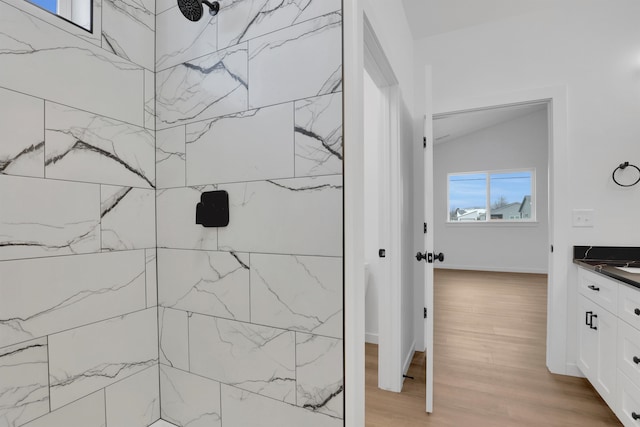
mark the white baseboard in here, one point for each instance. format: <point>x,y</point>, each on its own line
<point>371,338</point>
<point>489,268</point>
<point>574,371</point>
<point>409,358</point>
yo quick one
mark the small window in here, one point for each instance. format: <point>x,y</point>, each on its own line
<point>492,196</point>
<point>78,12</point>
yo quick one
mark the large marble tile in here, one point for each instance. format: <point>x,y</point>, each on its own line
<point>81,146</point>
<point>134,401</point>
<point>176,216</point>
<point>248,146</point>
<point>55,21</point>
<point>44,217</point>
<point>247,19</point>
<point>86,412</point>
<point>318,126</point>
<point>203,88</point>
<point>77,73</point>
<point>24,382</point>
<point>213,283</point>
<point>91,357</point>
<point>179,40</point>
<point>251,357</point>
<point>151,277</point>
<point>319,374</point>
<point>242,408</point>
<point>128,30</point>
<point>298,62</point>
<point>127,218</point>
<point>46,295</point>
<point>173,326</point>
<point>293,216</point>
<point>162,5</point>
<point>21,147</point>
<point>301,293</point>
<point>189,400</point>
<point>170,157</point>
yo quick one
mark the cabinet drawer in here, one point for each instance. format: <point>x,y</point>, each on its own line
<point>599,289</point>
<point>629,351</point>
<point>628,401</point>
<point>629,305</point>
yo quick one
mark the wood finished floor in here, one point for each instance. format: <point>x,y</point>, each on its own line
<point>489,362</point>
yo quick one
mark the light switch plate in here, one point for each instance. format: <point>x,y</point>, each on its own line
<point>583,217</point>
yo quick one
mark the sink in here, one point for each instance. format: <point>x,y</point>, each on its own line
<point>634,270</point>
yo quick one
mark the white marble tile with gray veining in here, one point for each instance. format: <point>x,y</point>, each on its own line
<point>176,216</point>
<point>170,157</point>
<point>46,295</point>
<point>213,283</point>
<point>319,373</point>
<point>290,216</point>
<point>203,88</point>
<point>318,126</point>
<point>128,30</point>
<point>45,217</point>
<point>301,293</point>
<point>251,357</point>
<point>242,408</point>
<point>173,326</point>
<point>134,401</point>
<point>149,100</point>
<point>247,19</point>
<point>298,62</point>
<point>91,357</point>
<point>86,412</point>
<point>151,277</point>
<point>77,73</point>
<point>127,217</point>
<point>24,385</point>
<point>81,146</point>
<point>189,400</point>
<point>247,146</point>
<point>21,134</point>
<point>180,40</point>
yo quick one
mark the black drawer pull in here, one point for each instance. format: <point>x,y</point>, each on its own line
<point>637,311</point>
<point>594,288</point>
<point>591,323</point>
<point>636,360</point>
<point>635,416</point>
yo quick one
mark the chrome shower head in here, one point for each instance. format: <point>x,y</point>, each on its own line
<point>193,10</point>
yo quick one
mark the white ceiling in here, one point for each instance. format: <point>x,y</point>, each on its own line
<point>451,126</point>
<point>429,17</point>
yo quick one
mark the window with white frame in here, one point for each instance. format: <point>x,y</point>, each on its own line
<point>491,196</point>
<point>79,12</point>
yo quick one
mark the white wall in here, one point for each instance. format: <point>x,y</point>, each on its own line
<point>516,144</point>
<point>591,47</point>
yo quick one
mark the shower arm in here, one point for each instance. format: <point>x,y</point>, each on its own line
<point>213,7</point>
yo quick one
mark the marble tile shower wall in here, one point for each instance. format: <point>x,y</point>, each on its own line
<point>250,314</point>
<point>78,291</point>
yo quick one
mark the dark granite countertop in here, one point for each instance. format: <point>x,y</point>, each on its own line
<point>605,259</point>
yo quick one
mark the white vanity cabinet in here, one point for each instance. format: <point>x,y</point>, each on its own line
<point>609,342</point>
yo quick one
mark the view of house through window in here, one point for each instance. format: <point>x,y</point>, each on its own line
<point>78,12</point>
<point>492,196</point>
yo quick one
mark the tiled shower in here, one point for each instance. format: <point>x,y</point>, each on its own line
<point>116,309</point>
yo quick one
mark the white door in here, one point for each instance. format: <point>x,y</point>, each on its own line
<point>428,238</point>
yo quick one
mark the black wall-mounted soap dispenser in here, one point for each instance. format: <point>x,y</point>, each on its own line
<point>213,209</point>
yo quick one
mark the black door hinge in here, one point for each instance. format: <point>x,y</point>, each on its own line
<point>424,142</point>
<point>425,312</point>
<point>425,228</point>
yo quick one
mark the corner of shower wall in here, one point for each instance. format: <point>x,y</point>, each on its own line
<point>78,304</point>
<point>250,317</point>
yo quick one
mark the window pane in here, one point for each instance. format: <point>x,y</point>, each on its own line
<point>511,196</point>
<point>468,197</point>
<point>50,5</point>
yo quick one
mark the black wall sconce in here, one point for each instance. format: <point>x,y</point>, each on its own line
<point>213,209</point>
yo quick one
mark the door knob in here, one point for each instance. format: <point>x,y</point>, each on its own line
<point>420,256</point>
<point>439,257</point>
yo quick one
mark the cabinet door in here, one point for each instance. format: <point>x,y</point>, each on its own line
<point>606,372</point>
<point>587,339</point>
